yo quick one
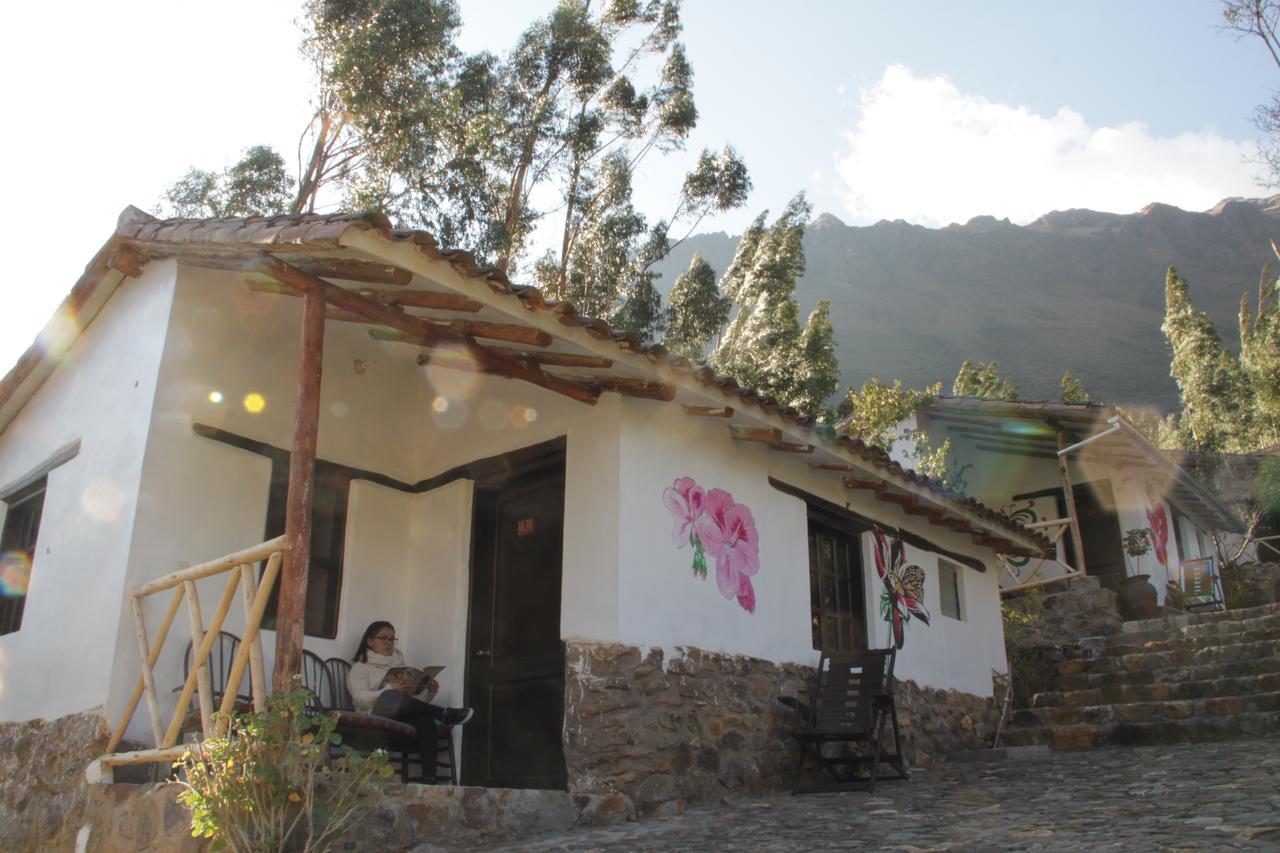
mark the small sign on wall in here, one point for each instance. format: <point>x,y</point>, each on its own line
<point>526,527</point>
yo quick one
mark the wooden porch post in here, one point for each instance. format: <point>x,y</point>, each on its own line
<point>1070,494</point>
<point>291,604</point>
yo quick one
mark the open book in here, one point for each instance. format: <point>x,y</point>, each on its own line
<point>419,679</point>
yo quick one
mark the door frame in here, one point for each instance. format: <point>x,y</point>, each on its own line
<point>492,474</point>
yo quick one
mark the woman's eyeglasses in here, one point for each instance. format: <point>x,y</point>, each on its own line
<point>386,639</point>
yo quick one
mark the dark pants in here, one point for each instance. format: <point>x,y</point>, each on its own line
<point>423,716</point>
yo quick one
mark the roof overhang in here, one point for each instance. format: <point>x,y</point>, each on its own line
<point>460,316</point>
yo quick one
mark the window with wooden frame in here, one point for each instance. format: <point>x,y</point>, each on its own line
<point>17,551</point>
<point>328,538</point>
<point>951,589</point>
<point>837,600</point>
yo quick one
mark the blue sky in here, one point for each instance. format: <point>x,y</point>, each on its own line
<point>930,111</point>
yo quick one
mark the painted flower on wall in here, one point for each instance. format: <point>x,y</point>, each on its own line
<point>1159,521</point>
<point>712,523</point>
<point>903,594</point>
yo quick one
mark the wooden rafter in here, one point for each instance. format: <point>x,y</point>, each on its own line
<point>630,387</point>
<point>768,435</point>
<point>508,332</point>
<point>406,298</point>
<point>859,483</point>
<point>128,261</point>
<point>900,498</point>
<point>553,359</point>
<point>708,411</point>
<point>831,466</point>
<point>426,333</point>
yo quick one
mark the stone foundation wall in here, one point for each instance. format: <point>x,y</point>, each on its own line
<point>701,724</point>
<point>122,818</point>
<point>43,795</point>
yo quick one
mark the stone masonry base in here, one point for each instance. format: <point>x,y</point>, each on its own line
<point>701,724</point>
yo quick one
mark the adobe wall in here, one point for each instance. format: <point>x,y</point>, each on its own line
<point>666,729</point>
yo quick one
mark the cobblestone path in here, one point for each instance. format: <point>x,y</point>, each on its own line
<point>1209,796</point>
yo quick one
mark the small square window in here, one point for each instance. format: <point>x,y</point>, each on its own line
<point>949,579</point>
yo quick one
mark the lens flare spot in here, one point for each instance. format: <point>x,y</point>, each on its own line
<point>58,336</point>
<point>15,573</point>
<point>530,415</point>
<point>215,397</point>
<point>102,500</point>
<point>449,413</point>
<point>339,409</point>
<point>254,402</point>
<point>521,416</point>
<point>451,372</point>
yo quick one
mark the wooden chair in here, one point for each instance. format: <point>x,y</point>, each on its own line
<point>1200,585</point>
<point>851,700</point>
<point>370,731</point>
<point>221,656</point>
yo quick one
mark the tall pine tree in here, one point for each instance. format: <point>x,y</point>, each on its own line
<point>983,380</point>
<point>696,310</point>
<point>819,369</point>
<point>1217,398</point>
<point>761,348</point>
<point>1260,356</point>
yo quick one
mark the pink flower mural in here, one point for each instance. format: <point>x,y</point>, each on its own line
<point>1159,521</point>
<point>712,523</point>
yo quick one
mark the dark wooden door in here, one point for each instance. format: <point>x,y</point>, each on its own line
<point>1100,532</point>
<point>515,657</point>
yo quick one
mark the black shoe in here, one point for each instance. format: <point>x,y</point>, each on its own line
<point>457,716</point>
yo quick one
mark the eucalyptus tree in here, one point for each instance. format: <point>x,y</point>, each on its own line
<point>761,347</point>
<point>696,310</point>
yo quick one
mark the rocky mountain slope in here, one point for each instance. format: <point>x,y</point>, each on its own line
<point>1075,289</point>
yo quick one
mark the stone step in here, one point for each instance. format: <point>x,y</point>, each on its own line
<point>1191,730</point>
<point>1173,675</point>
<point>1143,712</point>
<point>1255,634</point>
<point>1177,622</point>
<point>1163,691</point>
<point>1138,661</point>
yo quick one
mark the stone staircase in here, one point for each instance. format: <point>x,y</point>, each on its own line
<point>1184,678</point>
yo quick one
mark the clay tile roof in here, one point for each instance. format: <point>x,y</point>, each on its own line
<point>321,231</point>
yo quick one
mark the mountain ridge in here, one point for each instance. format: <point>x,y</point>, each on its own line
<point>1074,289</point>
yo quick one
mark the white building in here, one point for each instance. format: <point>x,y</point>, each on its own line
<point>496,476</point>
<point>1083,475</point>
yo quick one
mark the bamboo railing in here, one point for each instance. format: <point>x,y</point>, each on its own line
<point>1024,578</point>
<point>253,596</point>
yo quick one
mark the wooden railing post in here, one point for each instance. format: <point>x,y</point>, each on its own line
<point>148,678</point>
<point>1068,492</point>
<point>292,600</point>
<point>132,704</point>
<point>204,686</point>
<point>199,658</point>
<point>257,672</point>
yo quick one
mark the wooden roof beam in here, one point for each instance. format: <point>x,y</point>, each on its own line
<point>768,435</point>
<point>708,411</point>
<point>871,485</point>
<point>831,466</point>
<point>629,387</point>
<point>404,298</point>
<point>526,335</point>
<point>428,334</point>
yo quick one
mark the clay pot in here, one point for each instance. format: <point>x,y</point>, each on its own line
<point>1137,598</point>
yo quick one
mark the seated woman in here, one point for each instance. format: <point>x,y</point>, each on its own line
<point>376,655</point>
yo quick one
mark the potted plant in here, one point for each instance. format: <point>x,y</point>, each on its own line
<point>1137,594</point>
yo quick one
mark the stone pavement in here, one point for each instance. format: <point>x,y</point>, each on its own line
<point>1215,796</point>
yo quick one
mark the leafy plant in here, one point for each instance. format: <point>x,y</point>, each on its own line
<point>271,782</point>
<point>1136,544</point>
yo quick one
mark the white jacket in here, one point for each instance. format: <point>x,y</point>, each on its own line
<point>365,677</point>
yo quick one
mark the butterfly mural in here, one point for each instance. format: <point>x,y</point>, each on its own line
<point>903,594</point>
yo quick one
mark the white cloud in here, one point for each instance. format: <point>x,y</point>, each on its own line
<point>928,153</point>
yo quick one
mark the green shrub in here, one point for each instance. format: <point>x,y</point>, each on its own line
<point>272,784</point>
